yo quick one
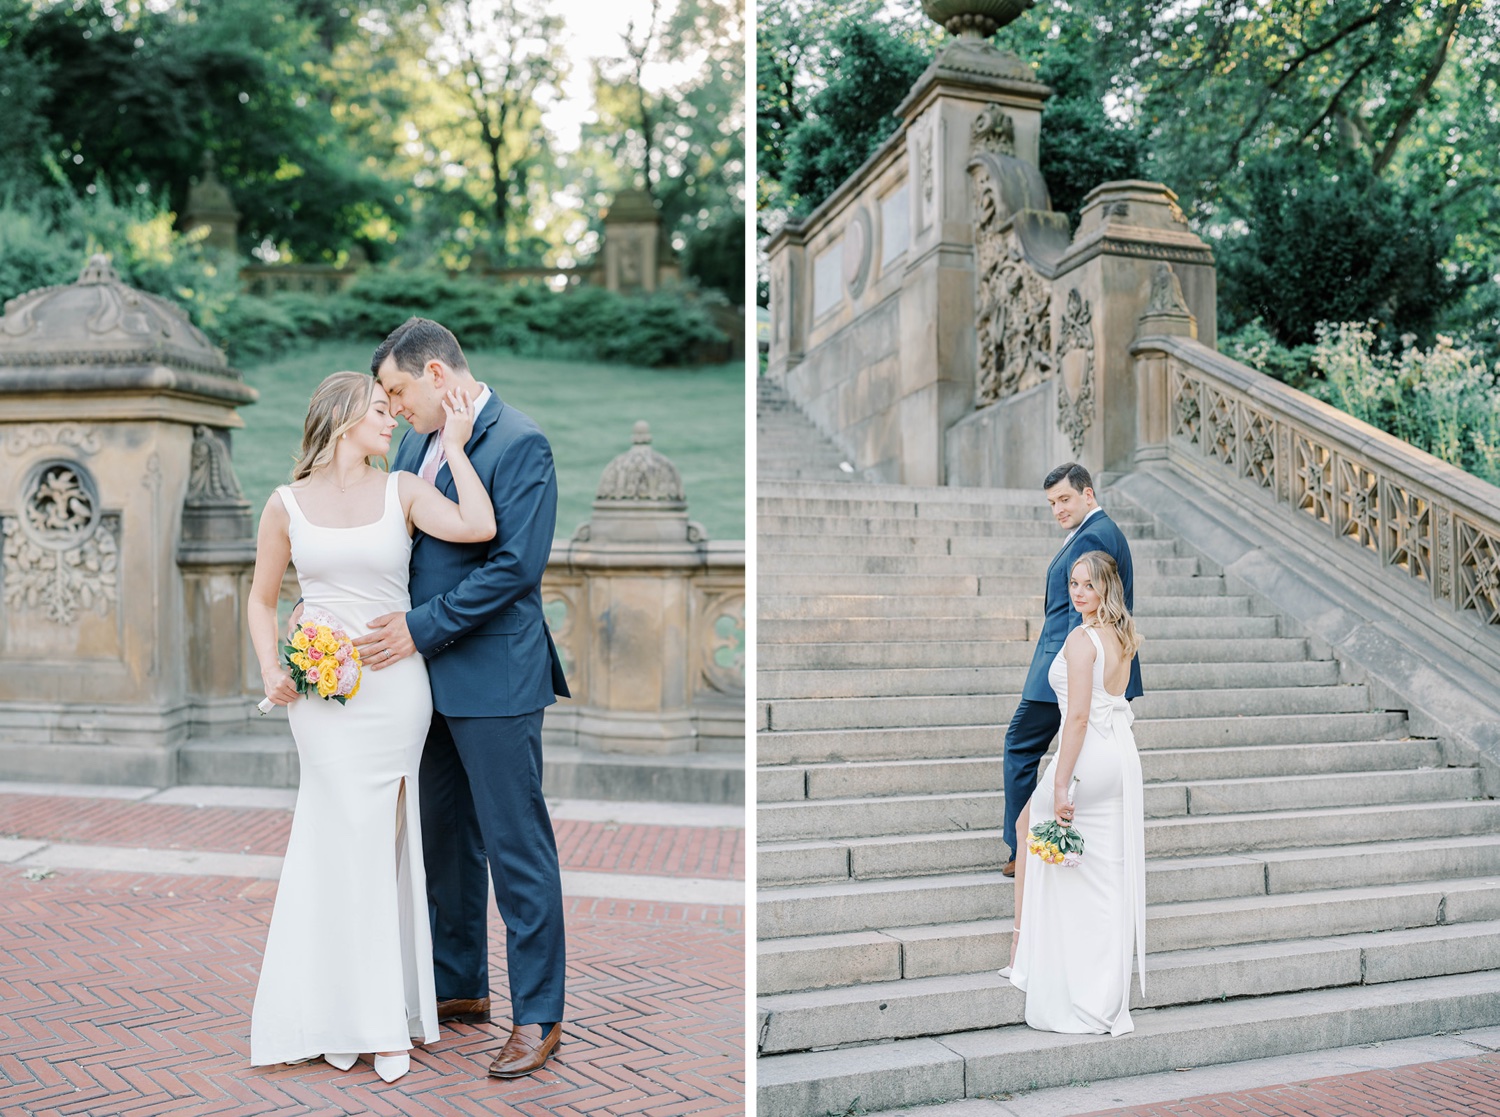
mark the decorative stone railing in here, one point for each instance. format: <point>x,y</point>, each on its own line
<point>1419,534</point>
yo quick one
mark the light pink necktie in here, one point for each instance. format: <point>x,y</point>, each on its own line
<point>430,470</point>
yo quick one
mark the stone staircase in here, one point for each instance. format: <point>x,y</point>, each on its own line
<point>1316,877</point>
<point>788,446</point>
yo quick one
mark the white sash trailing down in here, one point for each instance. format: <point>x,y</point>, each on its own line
<point>1120,717</point>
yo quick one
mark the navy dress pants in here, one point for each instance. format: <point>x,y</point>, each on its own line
<point>1032,728</point>
<point>481,792</point>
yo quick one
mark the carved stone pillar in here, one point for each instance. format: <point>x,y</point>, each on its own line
<point>110,652</point>
<point>1126,231</point>
<point>652,625</point>
<point>971,89</point>
<point>1166,315</point>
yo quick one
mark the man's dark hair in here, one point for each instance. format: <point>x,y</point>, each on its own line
<point>1073,473</point>
<point>417,341</point>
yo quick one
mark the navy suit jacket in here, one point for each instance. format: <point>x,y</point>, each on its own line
<point>1099,533</point>
<point>477,607</point>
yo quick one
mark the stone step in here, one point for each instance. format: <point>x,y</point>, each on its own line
<point>1029,546</point>
<point>853,564</point>
<point>964,585</point>
<point>771,523</point>
<point>851,503</point>
<point>772,685</point>
<point>791,630</point>
<point>984,1063</point>
<point>844,606</point>
<point>1221,629</point>
<point>975,709</point>
<point>957,947</point>
<point>880,808</point>
<point>905,1008</point>
<point>1173,767</point>
<point>1198,734</point>
<point>821,854</point>
<point>873,904</point>
<point>911,653</point>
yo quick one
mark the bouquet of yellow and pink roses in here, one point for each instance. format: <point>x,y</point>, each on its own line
<point>1057,844</point>
<point>321,659</point>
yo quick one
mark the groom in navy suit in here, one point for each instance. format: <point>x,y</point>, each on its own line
<point>1070,494</point>
<point>477,619</point>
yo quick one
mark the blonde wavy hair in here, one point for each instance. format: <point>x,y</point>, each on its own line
<point>1105,575</point>
<point>338,404</point>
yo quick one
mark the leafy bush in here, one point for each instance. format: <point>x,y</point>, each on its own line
<point>671,327</point>
<point>1443,400</point>
<point>43,243</point>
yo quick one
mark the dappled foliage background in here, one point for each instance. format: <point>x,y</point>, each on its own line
<point>403,133</point>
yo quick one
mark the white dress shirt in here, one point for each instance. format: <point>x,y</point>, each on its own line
<point>1096,510</point>
<point>435,449</point>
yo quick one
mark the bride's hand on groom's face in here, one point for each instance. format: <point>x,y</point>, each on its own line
<point>458,420</point>
<point>387,642</point>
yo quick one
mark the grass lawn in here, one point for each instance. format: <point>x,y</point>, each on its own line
<point>587,411</point>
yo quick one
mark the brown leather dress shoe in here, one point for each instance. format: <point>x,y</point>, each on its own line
<point>476,1011</point>
<point>1006,870</point>
<point>527,1050</point>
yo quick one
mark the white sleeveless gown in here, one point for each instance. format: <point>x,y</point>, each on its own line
<point>348,963</point>
<point>1080,925</point>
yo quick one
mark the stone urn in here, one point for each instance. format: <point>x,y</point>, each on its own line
<point>974,19</point>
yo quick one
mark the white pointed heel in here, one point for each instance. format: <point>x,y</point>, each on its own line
<point>392,1067</point>
<point>1014,930</point>
<point>341,1062</point>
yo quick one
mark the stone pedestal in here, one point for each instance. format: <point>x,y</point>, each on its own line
<point>650,626</point>
<point>636,255</point>
<point>127,547</point>
<point>210,207</point>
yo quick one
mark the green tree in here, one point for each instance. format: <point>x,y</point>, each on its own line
<point>136,99</point>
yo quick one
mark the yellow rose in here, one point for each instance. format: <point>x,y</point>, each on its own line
<point>328,678</point>
<point>302,660</point>
<point>300,641</point>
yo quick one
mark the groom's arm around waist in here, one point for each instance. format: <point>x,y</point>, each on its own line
<point>523,485</point>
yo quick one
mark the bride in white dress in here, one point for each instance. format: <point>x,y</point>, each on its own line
<point>1080,925</point>
<point>348,963</point>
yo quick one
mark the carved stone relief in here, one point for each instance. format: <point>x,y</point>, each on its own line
<point>993,130</point>
<point>724,644</point>
<point>75,436</point>
<point>62,550</point>
<point>925,133</point>
<point>1013,309</point>
<point>211,477</point>
<point>1166,292</point>
<point>1075,411</point>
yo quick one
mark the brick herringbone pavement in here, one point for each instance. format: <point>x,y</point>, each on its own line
<point>692,851</point>
<point>129,995</point>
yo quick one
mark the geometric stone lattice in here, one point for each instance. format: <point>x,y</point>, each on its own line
<point>1220,422</point>
<point>61,553</point>
<point>1186,419</point>
<point>1258,449</point>
<point>1358,504</point>
<point>1313,487</point>
<point>1478,571</point>
<point>1406,523</point>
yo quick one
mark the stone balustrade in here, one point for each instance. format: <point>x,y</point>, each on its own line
<point>1420,535</point>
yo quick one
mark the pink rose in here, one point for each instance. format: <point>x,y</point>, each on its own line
<point>340,634</point>
<point>343,655</point>
<point>309,631</point>
<point>314,654</point>
<point>348,676</point>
